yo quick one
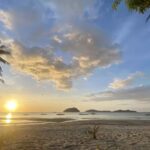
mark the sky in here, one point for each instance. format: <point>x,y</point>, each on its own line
<point>80,53</point>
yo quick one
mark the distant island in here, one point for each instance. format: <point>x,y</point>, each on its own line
<point>125,110</point>
<point>73,109</point>
<point>119,110</point>
<point>94,110</point>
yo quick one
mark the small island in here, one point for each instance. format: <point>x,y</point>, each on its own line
<point>125,111</point>
<point>73,109</point>
<point>94,110</point>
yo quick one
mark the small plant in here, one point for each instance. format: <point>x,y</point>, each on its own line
<point>92,132</point>
<point>98,147</point>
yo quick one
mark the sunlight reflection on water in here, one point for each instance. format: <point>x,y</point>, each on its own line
<point>8,118</point>
<point>8,121</point>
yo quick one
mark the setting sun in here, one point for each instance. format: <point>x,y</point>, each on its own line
<point>11,105</point>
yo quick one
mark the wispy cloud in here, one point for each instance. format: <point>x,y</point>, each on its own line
<point>6,19</point>
<point>141,93</point>
<point>125,29</point>
<point>124,83</point>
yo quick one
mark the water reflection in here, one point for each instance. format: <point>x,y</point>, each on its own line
<point>8,121</point>
<point>8,118</point>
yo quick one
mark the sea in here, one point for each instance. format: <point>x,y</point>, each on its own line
<point>45,117</point>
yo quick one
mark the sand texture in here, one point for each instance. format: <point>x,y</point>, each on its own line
<point>111,135</point>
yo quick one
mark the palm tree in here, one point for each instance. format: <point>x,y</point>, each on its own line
<point>141,6</point>
<point>3,51</point>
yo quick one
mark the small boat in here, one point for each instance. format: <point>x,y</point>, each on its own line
<point>93,113</point>
<point>83,114</point>
<point>147,114</point>
<point>25,114</point>
<point>43,114</point>
<point>60,114</point>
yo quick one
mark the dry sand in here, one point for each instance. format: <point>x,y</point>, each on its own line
<point>112,135</point>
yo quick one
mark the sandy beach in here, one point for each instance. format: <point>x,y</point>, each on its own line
<point>75,135</point>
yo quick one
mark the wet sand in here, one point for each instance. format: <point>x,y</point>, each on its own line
<point>112,135</point>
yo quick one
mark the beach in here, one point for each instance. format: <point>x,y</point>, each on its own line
<point>77,135</point>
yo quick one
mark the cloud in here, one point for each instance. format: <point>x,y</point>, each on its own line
<point>126,29</point>
<point>89,47</point>
<point>43,64</point>
<point>40,64</point>
<point>141,93</point>
<point>48,27</point>
<point>5,18</point>
<point>68,9</point>
<point>123,83</point>
<point>29,21</point>
<point>41,17</point>
<point>94,12</point>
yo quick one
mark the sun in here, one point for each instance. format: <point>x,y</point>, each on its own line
<point>11,105</point>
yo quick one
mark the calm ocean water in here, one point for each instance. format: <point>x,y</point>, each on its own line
<point>32,118</point>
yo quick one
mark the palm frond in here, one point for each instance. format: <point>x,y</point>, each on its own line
<point>147,19</point>
<point>1,71</point>
<point>115,4</point>
<point>3,52</point>
<point>3,60</point>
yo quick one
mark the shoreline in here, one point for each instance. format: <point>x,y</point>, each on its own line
<point>41,121</point>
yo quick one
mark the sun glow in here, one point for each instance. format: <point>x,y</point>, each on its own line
<point>11,105</point>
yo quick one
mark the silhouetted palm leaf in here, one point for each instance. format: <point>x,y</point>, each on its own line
<point>148,18</point>
<point>3,51</point>
<point>115,4</point>
<point>141,6</point>
<point>3,60</point>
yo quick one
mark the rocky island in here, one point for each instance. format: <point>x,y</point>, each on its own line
<point>73,109</point>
